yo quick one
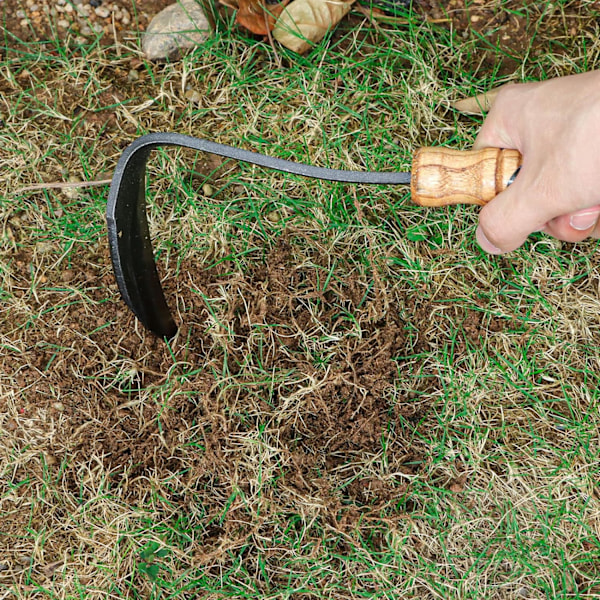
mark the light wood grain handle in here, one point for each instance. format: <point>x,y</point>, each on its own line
<point>441,176</point>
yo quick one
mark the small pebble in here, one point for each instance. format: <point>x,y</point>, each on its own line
<point>194,96</point>
<point>50,460</point>
<point>66,277</point>
<point>207,189</point>
<point>44,247</point>
<point>102,12</point>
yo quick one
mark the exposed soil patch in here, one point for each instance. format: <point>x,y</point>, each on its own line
<point>77,23</point>
<point>508,31</point>
<point>316,364</point>
<point>273,349</point>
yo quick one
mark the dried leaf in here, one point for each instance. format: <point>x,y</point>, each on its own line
<point>458,485</point>
<point>49,569</point>
<point>305,22</point>
<point>257,18</point>
<point>476,105</point>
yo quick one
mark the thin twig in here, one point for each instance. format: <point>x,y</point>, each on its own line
<point>63,185</point>
<point>271,40</point>
<point>375,15</point>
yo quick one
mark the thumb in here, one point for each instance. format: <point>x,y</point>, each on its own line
<point>506,221</point>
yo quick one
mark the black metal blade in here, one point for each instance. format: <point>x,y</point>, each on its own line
<point>128,235</point>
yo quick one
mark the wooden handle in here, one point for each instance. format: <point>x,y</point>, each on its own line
<point>441,176</point>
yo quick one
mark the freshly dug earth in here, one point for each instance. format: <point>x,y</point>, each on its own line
<point>331,405</point>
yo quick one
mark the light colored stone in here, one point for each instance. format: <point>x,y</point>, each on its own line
<point>178,27</point>
<point>194,96</point>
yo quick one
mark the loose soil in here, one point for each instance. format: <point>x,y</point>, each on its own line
<point>328,409</point>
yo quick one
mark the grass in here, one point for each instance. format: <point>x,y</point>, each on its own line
<point>268,452</point>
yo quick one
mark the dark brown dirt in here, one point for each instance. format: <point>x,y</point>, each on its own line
<point>508,31</point>
<point>346,414</point>
<point>272,321</point>
<point>40,25</point>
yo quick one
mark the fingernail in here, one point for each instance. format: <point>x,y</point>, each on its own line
<point>584,219</point>
<point>485,243</point>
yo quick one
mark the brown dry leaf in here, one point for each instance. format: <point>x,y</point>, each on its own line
<point>253,15</point>
<point>305,22</point>
<point>458,485</point>
<point>48,570</point>
<point>477,105</point>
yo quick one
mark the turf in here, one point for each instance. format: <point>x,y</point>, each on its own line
<point>359,403</point>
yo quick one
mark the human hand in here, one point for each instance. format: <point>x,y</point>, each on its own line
<point>556,126</point>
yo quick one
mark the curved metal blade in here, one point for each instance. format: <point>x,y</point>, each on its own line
<point>128,235</point>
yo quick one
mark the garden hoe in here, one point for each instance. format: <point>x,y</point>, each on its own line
<point>439,177</point>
